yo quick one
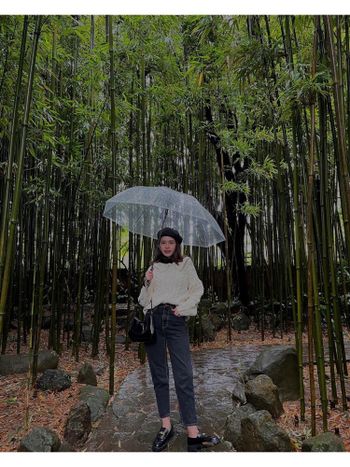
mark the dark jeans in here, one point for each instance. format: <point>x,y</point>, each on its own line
<point>172,333</point>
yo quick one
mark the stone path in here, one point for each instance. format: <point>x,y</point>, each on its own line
<point>132,421</point>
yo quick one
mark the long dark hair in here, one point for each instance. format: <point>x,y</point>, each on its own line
<point>176,257</point>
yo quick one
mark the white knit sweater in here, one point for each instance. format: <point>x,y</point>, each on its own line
<point>173,283</point>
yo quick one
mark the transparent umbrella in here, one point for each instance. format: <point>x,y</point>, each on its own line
<point>145,210</point>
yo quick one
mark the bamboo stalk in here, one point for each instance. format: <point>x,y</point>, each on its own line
<point>114,229</point>
<point>11,152</point>
<point>18,185</point>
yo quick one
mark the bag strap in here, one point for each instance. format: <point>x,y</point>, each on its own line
<point>151,297</point>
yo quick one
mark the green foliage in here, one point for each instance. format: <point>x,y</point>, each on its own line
<point>235,186</point>
<point>252,210</point>
<point>267,170</point>
<point>300,89</point>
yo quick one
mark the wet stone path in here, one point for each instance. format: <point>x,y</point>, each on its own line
<point>131,422</point>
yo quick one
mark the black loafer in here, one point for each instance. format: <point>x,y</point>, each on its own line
<point>202,441</point>
<point>162,439</point>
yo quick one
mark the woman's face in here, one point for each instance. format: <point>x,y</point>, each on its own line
<point>167,245</point>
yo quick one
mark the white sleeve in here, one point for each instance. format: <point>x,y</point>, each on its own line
<point>145,296</point>
<point>194,291</point>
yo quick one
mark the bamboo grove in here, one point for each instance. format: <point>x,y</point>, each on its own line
<point>249,113</point>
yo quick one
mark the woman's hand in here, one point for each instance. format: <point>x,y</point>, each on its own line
<point>149,275</point>
<point>176,312</point>
<point>148,278</point>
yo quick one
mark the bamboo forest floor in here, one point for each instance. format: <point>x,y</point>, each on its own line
<point>51,409</point>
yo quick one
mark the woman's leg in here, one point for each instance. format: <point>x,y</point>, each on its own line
<point>192,431</point>
<point>180,355</point>
<point>166,423</point>
<point>157,360</point>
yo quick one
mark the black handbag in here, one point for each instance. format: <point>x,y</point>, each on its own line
<point>143,330</point>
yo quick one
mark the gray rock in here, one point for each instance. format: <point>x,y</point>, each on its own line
<point>324,442</point>
<point>259,433</point>
<point>281,365</point>
<point>120,339</point>
<point>87,375</point>
<point>238,392</point>
<point>217,321</point>
<point>78,425</point>
<point>233,425</point>
<point>40,439</point>
<point>240,322</point>
<point>263,394</point>
<point>218,315</point>
<point>219,308</point>
<point>100,370</point>
<point>96,399</point>
<point>11,364</point>
<point>54,380</point>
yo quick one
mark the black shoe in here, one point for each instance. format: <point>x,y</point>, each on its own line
<point>202,441</point>
<point>162,439</point>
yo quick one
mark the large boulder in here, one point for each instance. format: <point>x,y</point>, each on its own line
<point>96,399</point>
<point>217,314</point>
<point>240,322</point>
<point>324,442</point>
<point>217,321</point>
<point>54,380</point>
<point>259,433</point>
<point>219,308</point>
<point>238,392</point>
<point>233,425</point>
<point>11,364</point>
<point>78,425</point>
<point>281,365</point>
<point>263,394</point>
<point>87,375</point>
<point>40,439</point>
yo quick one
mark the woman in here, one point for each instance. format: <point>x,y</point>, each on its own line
<point>172,288</point>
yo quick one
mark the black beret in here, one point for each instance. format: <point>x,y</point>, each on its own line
<point>169,232</point>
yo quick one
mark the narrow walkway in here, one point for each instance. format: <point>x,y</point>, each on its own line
<point>131,423</point>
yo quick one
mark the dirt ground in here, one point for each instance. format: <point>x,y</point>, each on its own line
<point>51,409</point>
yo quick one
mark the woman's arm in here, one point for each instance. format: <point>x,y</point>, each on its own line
<point>194,292</point>
<point>145,296</point>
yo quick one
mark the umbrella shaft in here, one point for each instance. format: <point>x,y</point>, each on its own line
<point>165,216</point>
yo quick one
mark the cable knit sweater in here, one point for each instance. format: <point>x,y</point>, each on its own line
<point>173,283</point>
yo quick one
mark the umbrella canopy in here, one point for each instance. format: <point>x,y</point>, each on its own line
<point>145,210</point>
